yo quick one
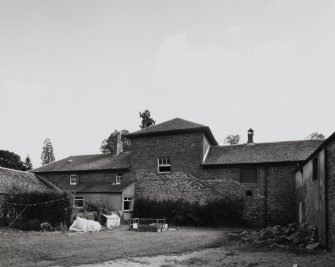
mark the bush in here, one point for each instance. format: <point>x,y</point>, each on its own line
<point>100,208</point>
<point>217,212</point>
<point>48,210</point>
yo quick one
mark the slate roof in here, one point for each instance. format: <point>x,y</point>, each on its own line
<point>88,162</point>
<point>289,151</point>
<point>176,125</point>
<point>101,187</point>
<point>13,181</point>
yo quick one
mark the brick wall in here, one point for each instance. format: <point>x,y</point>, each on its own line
<point>185,151</point>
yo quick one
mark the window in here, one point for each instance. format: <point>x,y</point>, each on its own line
<point>315,168</point>
<point>78,202</point>
<point>73,179</point>
<point>164,164</point>
<point>248,176</point>
<point>118,178</point>
<point>127,204</point>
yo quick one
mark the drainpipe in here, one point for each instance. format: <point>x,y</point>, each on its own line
<point>326,197</point>
<point>266,196</point>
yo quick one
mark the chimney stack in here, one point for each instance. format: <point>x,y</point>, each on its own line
<point>250,136</point>
<point>119,145</point>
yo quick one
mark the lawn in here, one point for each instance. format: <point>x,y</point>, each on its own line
<point>185,247</point>
<point>57,248</point>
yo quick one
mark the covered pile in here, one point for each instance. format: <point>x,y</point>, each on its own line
<point>299,236</point>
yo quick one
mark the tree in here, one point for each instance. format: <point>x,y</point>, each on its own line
<point>232,139</point>
<point>11,160</point>
<point>28,164</point>
<point>316,136</point>
<point>147,121</point>
<point>109,145</point>
<point>47,156</point>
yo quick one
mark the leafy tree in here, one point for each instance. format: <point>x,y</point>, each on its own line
<point>232,139</point>
<point>147,121</point>
<point>47,156</point>
<point>109,145</point>
<point>316,136</point>
<point>28,164</point>
<point>11,160</point>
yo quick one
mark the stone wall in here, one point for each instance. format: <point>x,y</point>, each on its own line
<point>331,194</point>
<point>62,180</point>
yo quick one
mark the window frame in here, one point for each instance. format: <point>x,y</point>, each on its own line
<point>75,198</point>
<point>167,164</point>
<point>73,176</point>
<point>130,201</point>
<point>118,178</point>
<point>255,169</point>
<point>315,172</point>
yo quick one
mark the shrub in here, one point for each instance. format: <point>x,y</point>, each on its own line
<point>53,207</point>
<point>217,212</point>
<point>100,208</point>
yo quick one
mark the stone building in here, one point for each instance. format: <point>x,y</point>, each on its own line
<point>182,159</point>
<point>315,191</point>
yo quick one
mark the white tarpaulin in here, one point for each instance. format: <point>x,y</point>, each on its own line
<point>112,221</point>
<point>83,225</point>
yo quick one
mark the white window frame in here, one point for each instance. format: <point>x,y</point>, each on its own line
<point>163,162</point>
<point>78,198</point>
<point>118,178</point>
<point>73,179</point>
<point>130,200</point>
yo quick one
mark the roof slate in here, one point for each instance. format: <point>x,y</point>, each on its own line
<point>88,162</point>
<point>176,125</point>
<point>101,187</point>
<point>13,181</point>
<point>289,151</point>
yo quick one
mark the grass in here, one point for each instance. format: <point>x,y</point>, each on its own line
<point>19,248</point>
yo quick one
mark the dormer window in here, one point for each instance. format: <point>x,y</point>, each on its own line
<point>73,179</point>
<point>118,178</point>
<point>164,164</point>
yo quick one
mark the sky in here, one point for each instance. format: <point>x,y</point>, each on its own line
<point>76,70</point>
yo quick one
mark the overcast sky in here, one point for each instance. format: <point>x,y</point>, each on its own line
<point>74,71</point>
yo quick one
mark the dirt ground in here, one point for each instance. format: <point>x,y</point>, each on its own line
<point>185,247</point>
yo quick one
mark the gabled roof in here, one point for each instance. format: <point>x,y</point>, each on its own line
<point>101,187</point>
<point>13,181</point>
<point>320,147</point>
<point>289,151</point>
<point>174,126</point>
<point>87,163</point>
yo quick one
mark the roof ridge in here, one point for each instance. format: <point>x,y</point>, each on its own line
<point>15,170</point>
<point>274,142</point>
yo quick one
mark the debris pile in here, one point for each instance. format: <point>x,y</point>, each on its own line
<point>292,236</point>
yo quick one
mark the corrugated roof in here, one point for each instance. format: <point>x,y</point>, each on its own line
<point>101,187</point>
<point>88,162</point>
<point>13,181</point>
<point>176,125</point>
<point>289,151</point>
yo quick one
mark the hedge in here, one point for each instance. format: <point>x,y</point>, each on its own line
<point>219,212</point>
<point>53,207</point>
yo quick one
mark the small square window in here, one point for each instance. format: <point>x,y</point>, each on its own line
<point>248,176</point>
<point>118,178</point>
<point>315,168</point>
<point>78,202</point>
<point>164,164</point>
<point>73,179</point>
<point>127,204</point>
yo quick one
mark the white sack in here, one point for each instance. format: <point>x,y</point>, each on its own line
<point>83,225</point>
